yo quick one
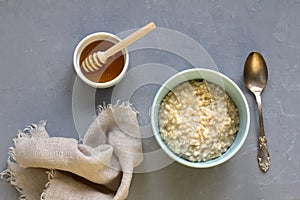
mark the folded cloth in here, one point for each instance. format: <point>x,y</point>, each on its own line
<point>99,167</point>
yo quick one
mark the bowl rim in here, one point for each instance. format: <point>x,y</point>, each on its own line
<point>86,41</point>
<point>169,152</point>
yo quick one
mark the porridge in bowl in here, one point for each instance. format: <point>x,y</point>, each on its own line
<point>198,120</point>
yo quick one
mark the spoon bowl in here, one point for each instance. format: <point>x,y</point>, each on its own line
<point>255,72</point>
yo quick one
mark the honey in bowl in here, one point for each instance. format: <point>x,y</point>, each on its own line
<point>110,70</point>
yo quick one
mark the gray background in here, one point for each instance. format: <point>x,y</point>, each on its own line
<point>37,39</point>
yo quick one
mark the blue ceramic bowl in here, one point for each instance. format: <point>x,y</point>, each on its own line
<point>234,92</point>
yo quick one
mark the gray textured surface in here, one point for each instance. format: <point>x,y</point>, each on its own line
<point>37,39</point>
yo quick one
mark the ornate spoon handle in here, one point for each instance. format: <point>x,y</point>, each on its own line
<point>263,155</point>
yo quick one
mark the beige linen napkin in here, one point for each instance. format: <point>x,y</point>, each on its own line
<point>55,168</point>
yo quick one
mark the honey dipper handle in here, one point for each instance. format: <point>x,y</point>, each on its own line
<point>130,39</point>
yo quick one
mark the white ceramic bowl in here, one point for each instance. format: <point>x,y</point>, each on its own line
<point>234,92</point>
<point>86,41</point>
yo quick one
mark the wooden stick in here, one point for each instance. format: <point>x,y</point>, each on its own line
<point>130,39</point>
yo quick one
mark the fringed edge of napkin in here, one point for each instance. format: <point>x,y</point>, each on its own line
<point>125,104</point>
<point>51,174</point>
<point>9,173</point>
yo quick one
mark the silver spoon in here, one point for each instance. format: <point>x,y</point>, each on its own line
<point>256,77</point>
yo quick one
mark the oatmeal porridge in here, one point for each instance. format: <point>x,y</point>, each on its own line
<point>198,120</point>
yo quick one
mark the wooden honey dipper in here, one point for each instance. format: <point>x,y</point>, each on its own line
<point>96,60</point>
